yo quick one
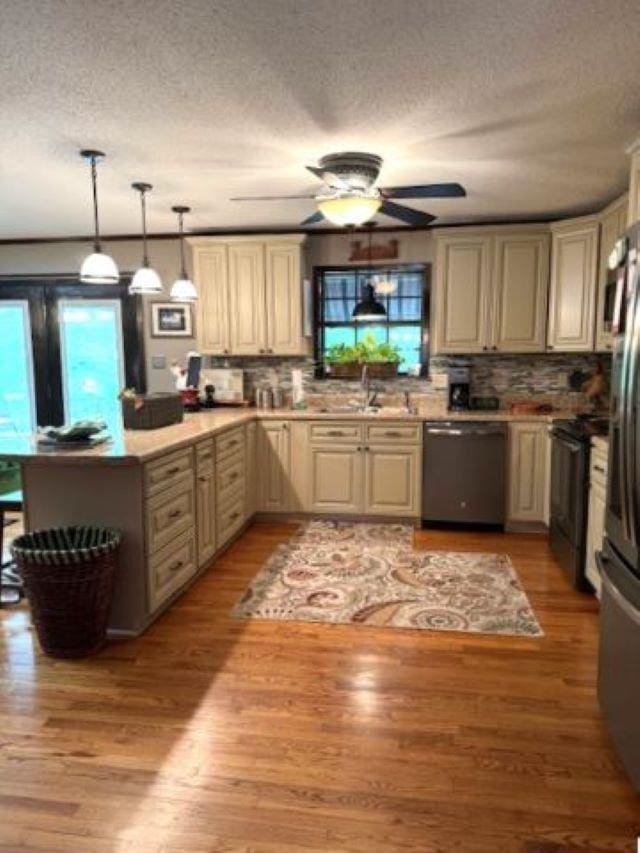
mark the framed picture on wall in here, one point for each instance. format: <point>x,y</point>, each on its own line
<point>171,320</point>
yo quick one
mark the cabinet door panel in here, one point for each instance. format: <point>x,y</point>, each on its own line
<point>392,481</point>
<point>274,449</point>
<point>612,226</point>
<point>206,512</point>
<point>573,286</point>
<point>520,281</point>
<point>462,293</point>
<point>283,299</point>
<point>247,298</point>
<point>211,275</point>
<point>595,535</point>
<point>528,472</point>
<point>336,479</point>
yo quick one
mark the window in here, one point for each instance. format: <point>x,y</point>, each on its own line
<point>405,326</point>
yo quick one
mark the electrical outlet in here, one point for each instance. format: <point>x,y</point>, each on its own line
<point>158,362</point>
<point>440,381</point>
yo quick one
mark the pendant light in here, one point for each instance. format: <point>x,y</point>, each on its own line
<point>182,289</point>
<point>146,279</point>
<point>368,310</point>
<point>97,268</point>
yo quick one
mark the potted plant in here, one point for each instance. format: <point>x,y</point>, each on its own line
<point>345,362</point>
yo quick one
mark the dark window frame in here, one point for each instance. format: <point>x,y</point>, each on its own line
<point>319,323</point>
<point>42,293</point>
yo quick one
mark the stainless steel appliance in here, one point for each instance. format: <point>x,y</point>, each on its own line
<point>570,450</point>
<point>459,389</point>
<point>463,475</point>
<point>619,660</point>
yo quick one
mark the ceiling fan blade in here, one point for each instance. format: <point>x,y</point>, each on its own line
<point>425,191</point>
<point>406,214</point>
<point>267,197</point>
<point>329,178</point>
<point>313,219</point>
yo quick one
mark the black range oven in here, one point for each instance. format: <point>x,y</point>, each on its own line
<point>569,497</point>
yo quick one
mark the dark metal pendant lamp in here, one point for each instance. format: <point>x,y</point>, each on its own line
<point>369,309</point>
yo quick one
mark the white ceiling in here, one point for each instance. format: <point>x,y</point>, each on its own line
<point>528,103</point>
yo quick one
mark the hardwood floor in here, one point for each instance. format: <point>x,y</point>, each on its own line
<point>214,734</point>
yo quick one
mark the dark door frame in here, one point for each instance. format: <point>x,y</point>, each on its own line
<point>42,294</point>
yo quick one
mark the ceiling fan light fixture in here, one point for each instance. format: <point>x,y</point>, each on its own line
<point>368,310</point>
<point>97,268</point>
<point>349,209</point>
<point>182,289</point>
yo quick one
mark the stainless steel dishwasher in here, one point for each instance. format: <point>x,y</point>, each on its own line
<point>463,472</point>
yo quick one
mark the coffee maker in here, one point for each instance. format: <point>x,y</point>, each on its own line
<point>459,389</point>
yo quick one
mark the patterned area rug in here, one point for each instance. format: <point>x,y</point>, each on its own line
<point>370,574</point>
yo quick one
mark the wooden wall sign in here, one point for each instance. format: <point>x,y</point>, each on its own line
<point>361,251</point>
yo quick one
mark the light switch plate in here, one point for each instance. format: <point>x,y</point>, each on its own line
<point>158,362</point>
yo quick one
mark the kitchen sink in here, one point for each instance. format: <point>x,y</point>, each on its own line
<point>369,411</point>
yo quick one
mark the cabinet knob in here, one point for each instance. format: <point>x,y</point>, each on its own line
<point>549,346</point>
<point>484,349</point>
<point>495,349</point>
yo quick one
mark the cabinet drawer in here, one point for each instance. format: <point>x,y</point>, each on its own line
<point>344,432</point>
<point>167,471</point>
<point>230,478</point>
<point>393,433</point>
<point>229,443</point>
<point>171,567</point>
<point>230,520</point>
<point>169,513</point>
<point>205,451</point>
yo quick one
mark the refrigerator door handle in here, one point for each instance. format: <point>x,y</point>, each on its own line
<point>623,416</point>
<point>630,421</point>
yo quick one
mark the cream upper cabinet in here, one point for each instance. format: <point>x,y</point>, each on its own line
<point>247,303</point>
<point>250,295</point>
<point>392,480</point>
<point>572,296</point>
<point>491,290</point>
<point>283,299</point>
<point>211,276</point>
<point>520,288</point>
<point>463,278</point>
<point>528,472</point>
<point>274,466</point>
<point>613,223</point>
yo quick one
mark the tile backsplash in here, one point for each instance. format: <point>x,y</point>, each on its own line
<point>508,377</point>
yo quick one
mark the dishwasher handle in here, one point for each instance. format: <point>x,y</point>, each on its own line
<point>476,431</point>
<point>442,431</point>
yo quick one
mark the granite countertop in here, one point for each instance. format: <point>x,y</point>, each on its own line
<point>135,446</point>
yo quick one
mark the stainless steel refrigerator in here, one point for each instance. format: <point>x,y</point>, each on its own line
<point>619,656</point>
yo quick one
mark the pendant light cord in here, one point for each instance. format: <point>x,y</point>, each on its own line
<point>94,182</point>
<point>183,267</point>
<point>143,204</point>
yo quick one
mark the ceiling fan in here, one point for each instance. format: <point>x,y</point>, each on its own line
<point>349,197</point>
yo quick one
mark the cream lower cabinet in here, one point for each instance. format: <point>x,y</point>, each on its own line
<point>336,477</point>
<point>572,292</point>
<point>273,452</point>
<point>528,472</point>
<point>392,480</point>
<point>597,511</point>
<point>491,290</point>
<point>357,468</point>
<point>205,501</point>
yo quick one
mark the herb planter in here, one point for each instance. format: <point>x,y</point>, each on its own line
<point>353,370</point>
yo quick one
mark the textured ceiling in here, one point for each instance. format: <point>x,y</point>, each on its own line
<point>528,103</point>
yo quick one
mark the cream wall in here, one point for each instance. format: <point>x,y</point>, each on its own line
<point>51,258</point>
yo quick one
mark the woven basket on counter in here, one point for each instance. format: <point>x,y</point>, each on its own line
<point>151,411</point>
<point>69,576</point>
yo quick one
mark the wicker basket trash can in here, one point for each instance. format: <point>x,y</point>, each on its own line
<point>69,575</point>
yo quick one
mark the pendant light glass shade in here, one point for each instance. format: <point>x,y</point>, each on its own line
<point>97,268</point>
<point>351,209</point>
<point>146,279</point>
<point>182,289</point>
<point>368,310</point>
